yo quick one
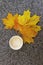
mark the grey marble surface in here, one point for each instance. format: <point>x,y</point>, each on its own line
<point>29,54</point>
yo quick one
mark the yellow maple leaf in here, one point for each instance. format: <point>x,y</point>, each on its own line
<point>26,24</point>
<point>22,19</point>
<point>33,20</point>
<point>9,21</point>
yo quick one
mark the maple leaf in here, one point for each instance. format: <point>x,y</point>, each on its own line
<point>26,24</point>
<point>29,28</point>
<point>29,32</point>
<point>9,21</point>
<point>22,19</point>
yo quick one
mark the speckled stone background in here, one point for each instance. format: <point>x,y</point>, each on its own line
<point>29,54</point>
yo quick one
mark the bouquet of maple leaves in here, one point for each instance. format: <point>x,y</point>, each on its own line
<point>25,24</point>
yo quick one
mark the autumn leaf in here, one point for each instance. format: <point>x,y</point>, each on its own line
<point>8,21</point>
<point>22,19</point>
<point>30,29</point>
<point>29,32</point>
<point>25,24</point>
<point>33,20</point>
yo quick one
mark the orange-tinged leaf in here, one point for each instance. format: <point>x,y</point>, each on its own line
<point>26,24</point>
<point>28,33</point>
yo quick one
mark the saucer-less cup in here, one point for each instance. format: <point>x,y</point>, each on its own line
<point>16,42</point>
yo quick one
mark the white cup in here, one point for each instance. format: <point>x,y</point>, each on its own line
<point>16,42</point>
